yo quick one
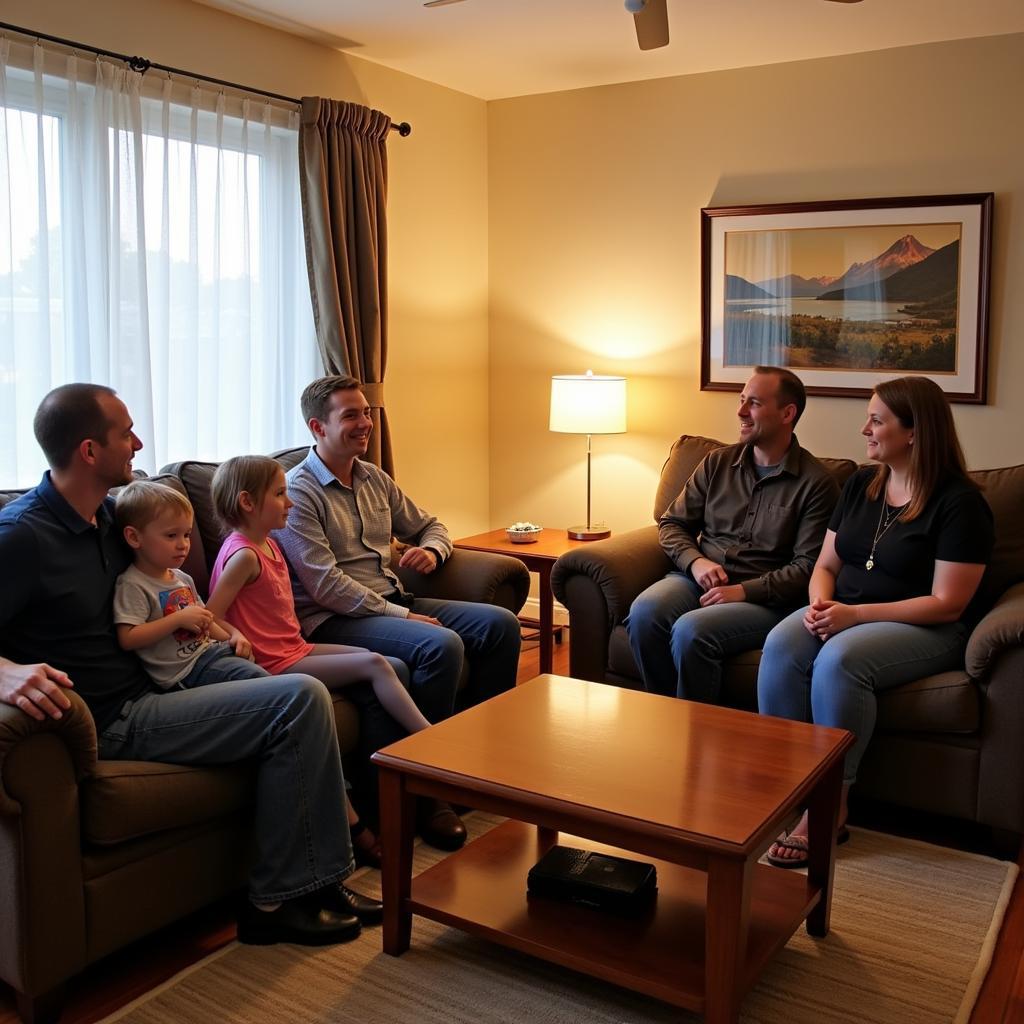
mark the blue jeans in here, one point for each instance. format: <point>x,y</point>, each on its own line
<point>679,647</point>
<point>286,724</point>
<point>217,664</point>
<point>484,634</point>
<point>834,682</point>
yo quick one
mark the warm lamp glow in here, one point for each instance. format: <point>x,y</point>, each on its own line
<point>588,404</point>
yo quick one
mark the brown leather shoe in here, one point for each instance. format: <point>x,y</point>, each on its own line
<point>438,825</point>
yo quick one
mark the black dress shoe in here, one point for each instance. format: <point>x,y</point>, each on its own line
<point>298,921</point>
<point>438,825</point>
<point>343,900</point>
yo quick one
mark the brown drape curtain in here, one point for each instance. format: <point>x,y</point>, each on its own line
<point>343,164</point>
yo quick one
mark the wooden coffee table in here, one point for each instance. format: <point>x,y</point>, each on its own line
<point>700,790</point>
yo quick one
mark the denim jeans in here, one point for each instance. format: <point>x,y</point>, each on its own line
<point>286,724</point>
<point>834,682</point>
<point>679,646</point>
<point>484,634</point>
<point>217,664</point>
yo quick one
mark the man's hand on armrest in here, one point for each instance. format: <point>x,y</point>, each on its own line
<point>35,689</point>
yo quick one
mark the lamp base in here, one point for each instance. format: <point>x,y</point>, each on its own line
<point>588,532</point>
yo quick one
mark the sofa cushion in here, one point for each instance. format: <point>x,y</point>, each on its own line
<point>197,477</point>
<point>945,703</point>
<point>125,800</point>
<point>1004,491</point>
<point>685,455</point>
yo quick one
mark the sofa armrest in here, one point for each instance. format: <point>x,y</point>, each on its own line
<point>597,583</point>
<point>75,729</point>
<point>42,890</point>
<point>999,631</point>
<point>473,576</point>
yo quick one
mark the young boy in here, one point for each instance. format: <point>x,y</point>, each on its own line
<point>157,611</point>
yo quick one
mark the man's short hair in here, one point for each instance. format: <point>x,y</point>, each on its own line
<point>66,417</point>
<point>142,501</point>
<point>791,388</point>
<point>317,395</point>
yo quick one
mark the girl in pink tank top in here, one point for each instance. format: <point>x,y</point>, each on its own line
<point>250,588</point>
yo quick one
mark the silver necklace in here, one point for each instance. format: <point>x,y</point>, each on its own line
<point>885,520</point>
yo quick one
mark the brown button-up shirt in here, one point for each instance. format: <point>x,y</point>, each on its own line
<point>766,533</point>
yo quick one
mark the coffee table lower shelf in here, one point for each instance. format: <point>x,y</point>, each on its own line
<point>481,890</point>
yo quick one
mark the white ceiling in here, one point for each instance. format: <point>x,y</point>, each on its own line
<point>499,48</point>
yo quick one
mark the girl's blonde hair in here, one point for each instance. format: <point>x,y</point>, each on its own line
<point>245,473</point>
<point>142,501</point>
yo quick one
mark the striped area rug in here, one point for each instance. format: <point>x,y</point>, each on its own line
<point>913,930</point>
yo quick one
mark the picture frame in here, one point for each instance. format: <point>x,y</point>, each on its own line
<point>847,293</point>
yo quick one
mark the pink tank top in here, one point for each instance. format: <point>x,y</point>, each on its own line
<point>264,610</point>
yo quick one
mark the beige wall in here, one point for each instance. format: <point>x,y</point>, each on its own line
<point>595,260</point>
<point>437,383</point>
<point>576,216</point>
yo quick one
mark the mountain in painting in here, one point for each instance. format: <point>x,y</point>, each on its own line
<point>934,277</point>
<point>903,253</point>
<point>796,287</point>
<point>740,288</point>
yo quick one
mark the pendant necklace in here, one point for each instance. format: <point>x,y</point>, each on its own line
<point>885,520</point>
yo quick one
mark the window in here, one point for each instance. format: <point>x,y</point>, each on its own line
<point>150,239</point>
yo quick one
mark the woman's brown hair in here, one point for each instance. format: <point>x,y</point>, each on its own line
<point>919,404</point>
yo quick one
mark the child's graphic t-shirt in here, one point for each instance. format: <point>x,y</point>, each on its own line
<point>139,598</point>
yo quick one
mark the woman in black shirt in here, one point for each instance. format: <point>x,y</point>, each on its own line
<point>891,590</point>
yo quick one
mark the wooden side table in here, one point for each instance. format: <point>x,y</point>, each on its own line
<point>538,556</point>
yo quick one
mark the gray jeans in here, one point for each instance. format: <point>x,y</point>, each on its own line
<point>285,723</point>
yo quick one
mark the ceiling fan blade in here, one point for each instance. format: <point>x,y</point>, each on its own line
<point>652,24</point>
<point>845,1</point>
<point>444,3</point>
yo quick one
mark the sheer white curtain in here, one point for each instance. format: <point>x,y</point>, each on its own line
<point>150,239</point>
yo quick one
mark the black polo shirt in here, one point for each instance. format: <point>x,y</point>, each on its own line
<point>954,526</point>
<point>57,596</point>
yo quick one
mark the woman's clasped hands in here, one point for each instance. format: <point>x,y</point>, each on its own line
<point>826,618</point>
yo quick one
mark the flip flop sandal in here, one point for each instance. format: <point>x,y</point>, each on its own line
<point>790,843</point>
<point>800,843</point>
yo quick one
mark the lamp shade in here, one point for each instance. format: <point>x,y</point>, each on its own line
<point>588,404</point>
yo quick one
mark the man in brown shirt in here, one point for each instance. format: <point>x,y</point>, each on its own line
<point>744,535</point>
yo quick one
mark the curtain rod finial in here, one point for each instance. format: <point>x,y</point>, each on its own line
<point>404,129</point>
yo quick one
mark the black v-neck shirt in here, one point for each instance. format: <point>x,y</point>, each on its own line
<point>955,526</point>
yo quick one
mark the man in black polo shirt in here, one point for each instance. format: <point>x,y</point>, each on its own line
<point>61,555</point>
<point>744,534</point>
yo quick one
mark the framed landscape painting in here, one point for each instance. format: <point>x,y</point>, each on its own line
<point>848,293</point>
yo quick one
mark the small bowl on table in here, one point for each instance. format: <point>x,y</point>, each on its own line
<point>523,535</point>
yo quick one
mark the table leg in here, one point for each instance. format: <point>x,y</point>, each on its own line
<point>725,938</point>
<point>397,820</point>
<point>547,617</point>
<point>822,822</point>
<point>546,838</point>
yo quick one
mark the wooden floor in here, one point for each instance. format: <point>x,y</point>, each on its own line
<point>128,974</point>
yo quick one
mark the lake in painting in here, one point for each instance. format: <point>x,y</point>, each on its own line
<point>875,297</point>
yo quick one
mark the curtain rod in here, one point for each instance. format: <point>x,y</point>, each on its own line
<point>142,65</point>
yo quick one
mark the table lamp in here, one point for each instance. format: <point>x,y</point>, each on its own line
<point>588,404</point>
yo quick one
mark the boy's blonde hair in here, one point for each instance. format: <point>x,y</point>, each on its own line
<point>251,473</point>
<point>142,501</point>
